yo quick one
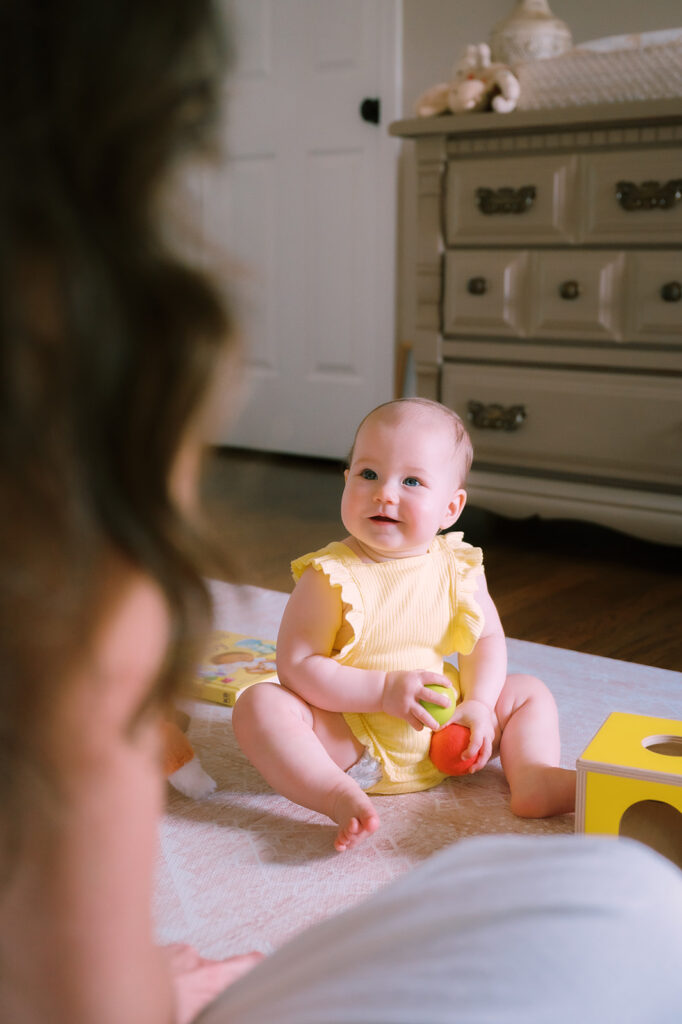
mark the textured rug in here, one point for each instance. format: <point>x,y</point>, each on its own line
<point>245,869</point>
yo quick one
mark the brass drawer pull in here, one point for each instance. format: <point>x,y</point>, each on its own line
<point>505,200</point>
<point>477,286</point>
<point>650,195</point>
<point>495,417</point>
<point>671,292</point>
<point>569,290</point>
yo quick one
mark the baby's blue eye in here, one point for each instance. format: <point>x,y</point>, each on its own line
<point>368,474</point>
<point>411,481</point>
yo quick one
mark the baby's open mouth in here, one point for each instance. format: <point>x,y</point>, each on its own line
<point>383,519</point>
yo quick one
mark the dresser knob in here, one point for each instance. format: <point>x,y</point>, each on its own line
<point>494,416</point>
<point>671,292</point>
<point>477,286</point>
<point>569,290</point>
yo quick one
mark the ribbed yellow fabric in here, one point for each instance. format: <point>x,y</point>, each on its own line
<point>408,613</point>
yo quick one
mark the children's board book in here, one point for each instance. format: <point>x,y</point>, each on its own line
<point>233,662</point>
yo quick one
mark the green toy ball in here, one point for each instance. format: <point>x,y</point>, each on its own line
<point>441,714</point>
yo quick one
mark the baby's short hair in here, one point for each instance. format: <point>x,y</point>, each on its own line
<point>462,441</point>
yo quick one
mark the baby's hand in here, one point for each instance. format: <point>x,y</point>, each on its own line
<point>479,718</point>
<point>403,692</point>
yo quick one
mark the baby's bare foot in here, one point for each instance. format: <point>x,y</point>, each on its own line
<point>541,791</point>
<point>354,813</point>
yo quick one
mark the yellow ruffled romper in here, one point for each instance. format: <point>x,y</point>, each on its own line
<point>407,613</point>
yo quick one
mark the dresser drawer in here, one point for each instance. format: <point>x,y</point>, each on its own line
<point>576,296</point>
<point>548,294</point>
<point>582,423</point>
<point>518,200</point>
<point>654,297</point>
<point>485,292</point>
<point>632,196</point>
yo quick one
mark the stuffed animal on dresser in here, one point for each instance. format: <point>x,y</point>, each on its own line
<point>477,84</point>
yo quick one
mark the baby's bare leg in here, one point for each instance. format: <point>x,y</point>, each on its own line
<point>529,750</point>
<point>304,753</point>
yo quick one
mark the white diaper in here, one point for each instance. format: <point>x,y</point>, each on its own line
<point>366,772</point>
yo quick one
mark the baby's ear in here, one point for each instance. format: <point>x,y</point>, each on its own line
<point>454,509</point>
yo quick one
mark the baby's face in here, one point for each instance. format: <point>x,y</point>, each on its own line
<point>402,486</point>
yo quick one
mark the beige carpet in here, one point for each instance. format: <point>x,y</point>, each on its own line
<point>245,869</point>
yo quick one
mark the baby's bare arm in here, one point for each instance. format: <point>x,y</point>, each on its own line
<point>482,676</point>
<point>483,671</point>
<point>305,644</point>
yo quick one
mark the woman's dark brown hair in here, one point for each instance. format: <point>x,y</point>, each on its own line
<point>107,337</point>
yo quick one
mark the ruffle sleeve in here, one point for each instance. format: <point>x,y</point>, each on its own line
<point>468,567</point>
<point>333,561</point>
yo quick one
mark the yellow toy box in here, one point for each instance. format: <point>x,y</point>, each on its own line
<point>630,782</point>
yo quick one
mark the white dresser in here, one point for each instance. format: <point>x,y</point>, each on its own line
<point>548,289</point>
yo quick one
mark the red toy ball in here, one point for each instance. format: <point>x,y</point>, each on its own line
<point>446,749</point>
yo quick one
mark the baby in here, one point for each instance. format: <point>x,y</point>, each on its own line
<point>367,628</point>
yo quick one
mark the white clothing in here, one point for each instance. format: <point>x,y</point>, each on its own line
<point>493,930</point>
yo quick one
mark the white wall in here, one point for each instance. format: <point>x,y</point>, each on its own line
<point>435,33</point>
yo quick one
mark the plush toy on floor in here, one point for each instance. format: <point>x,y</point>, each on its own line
<point>476,84</point>
<point>181,766</point>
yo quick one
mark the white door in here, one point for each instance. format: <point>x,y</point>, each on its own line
<point>305,210</point>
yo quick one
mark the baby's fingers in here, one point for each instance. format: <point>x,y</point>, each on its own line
<point>430,679</point>
<point>477,736</point>
<point>437,693</point>
<point>420,717</point>
<point>475,750</point>
<point>480,747</point>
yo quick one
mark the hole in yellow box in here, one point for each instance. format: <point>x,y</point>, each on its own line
<point>656,824</point>
<point>671,746</point>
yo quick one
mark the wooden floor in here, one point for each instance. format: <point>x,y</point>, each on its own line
<point>565,584</point>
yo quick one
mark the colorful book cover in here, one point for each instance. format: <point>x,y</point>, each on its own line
<point>233,662</point>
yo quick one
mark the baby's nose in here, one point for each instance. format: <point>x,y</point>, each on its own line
<point>386,492</point>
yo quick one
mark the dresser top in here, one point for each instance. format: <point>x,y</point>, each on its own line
<point>605,115</point>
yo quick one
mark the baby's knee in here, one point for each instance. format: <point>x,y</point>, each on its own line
<point>252,708</point>
<point>521,689</point>
<point>529,696</point>
<point>525,684</point>
<point>265,706</point>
